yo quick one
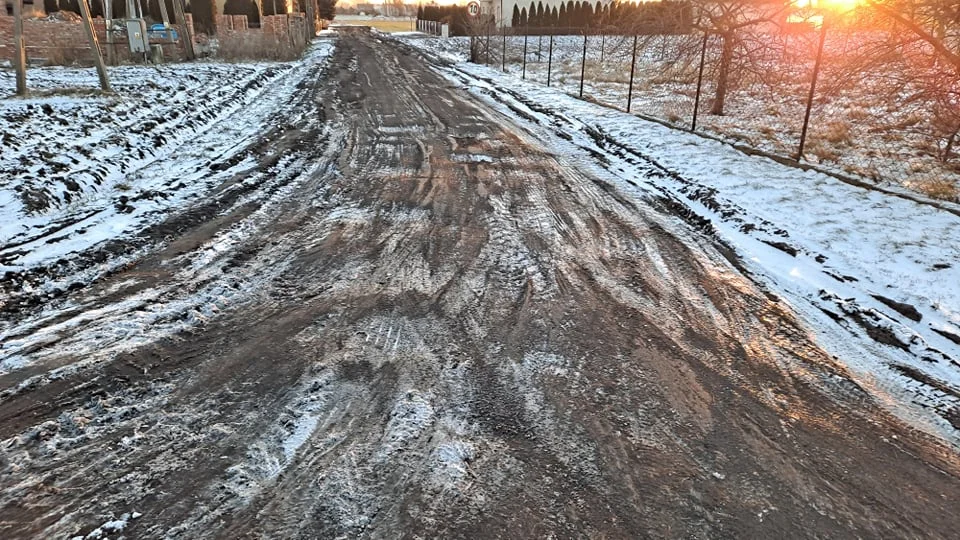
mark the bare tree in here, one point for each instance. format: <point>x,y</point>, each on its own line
<point>927,37</point>
<point>910,51</point>
<point>747,31</point>
<point>396,8</point>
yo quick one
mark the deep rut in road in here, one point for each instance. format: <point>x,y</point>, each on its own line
<point>453,333</point>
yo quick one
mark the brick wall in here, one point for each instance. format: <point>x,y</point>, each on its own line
<point>65,42</point>
<point>230,23</point>
<point>283,24</point>
<point>269,24</point>
<point>44,39</point>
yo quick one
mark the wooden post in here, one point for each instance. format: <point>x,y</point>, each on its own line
<point>19,54</point>
<point>187,36</point>
<point>94,47</point>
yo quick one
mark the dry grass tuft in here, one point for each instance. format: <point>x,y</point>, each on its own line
<point>939,188</point>
<point>835,132</point>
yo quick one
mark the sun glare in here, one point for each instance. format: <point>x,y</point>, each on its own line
<point>832,5</point>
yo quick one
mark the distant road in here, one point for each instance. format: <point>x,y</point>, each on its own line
<point>384,24</point>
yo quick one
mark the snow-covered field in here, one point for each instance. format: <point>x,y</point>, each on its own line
<point>853,130</point>
<point>79,169</point>
<point>80,199</point>
<point>877,276</point>
<point>76,161</point>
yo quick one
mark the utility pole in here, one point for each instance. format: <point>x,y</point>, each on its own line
<point>550,60</point>
<point>108,24</point>
<point>20,55</point>
<point>163,13</point>
<point>187,34</point>
<point>94,47</point>
<point>583,63</point>
<point>311,26</point>
<point>526,32</point>
<point>696,101</point>
<point>633,65</point>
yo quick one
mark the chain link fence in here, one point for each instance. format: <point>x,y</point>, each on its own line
<point>860,123</point>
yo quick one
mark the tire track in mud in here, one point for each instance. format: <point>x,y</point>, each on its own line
<point>458,336</point>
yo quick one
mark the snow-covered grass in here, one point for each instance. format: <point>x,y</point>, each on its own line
<point>855,129</point>
<point>876,276</point>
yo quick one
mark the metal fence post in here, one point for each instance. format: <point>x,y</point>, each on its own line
<point>524,76</point>
<point>540,47</point>
<point>489,32</point>
<point>603,43</point>
<point>696,101</point>
<point>503,30</point>
<point>633,64</point>
<point>550,60</point>
<point>813,88</point>
<point>583,63</point>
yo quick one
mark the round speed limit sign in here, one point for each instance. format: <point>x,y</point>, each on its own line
<point>473,9</point>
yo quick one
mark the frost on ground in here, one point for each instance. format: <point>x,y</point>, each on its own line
<point>854,129</point>
<point>875,274</point>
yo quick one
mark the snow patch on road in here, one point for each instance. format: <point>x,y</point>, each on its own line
<point>411,415</point>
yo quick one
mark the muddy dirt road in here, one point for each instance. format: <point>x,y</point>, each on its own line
<point>438,329</point>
